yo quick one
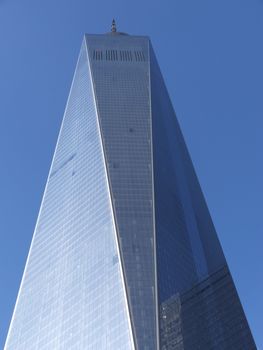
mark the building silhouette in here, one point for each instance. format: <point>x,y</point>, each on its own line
<point>124,253</point>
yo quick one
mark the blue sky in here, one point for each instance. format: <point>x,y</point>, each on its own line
<point>211,55</point>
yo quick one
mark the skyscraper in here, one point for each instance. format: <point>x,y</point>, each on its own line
<point>124,254</point>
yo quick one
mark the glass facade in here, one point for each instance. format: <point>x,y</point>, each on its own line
<point>72,295</point>
<point>121,80</point>
<point>124,254</point>
<point>198,304</point>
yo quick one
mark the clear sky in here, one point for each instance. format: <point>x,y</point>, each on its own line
<point>211,56</point>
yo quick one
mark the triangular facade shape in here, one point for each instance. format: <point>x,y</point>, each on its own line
<point>122,88</point>
<point>73,281</point>
<point>124,254</point>
<point>198,304</point>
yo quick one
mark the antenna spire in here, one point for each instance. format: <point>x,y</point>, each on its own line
<point>113,26</point>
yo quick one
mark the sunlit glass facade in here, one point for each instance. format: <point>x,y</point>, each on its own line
<point>124,255</point>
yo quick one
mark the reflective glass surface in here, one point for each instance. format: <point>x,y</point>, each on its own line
<point>123,205</point>
<point>207,316</point>
<point>199,306</point>
<point>72,294</point>
<point>120,68</point>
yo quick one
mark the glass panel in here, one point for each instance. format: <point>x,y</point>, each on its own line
<point>122,92</point>
<point>199,306</point>
<point>72,294</point>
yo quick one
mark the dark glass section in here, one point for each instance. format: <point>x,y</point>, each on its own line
<point>208,316</point>
<point>121,81</point>
<point>199,306</point>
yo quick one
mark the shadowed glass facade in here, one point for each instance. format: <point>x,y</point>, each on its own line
<point>124,254</point>
<point>198,304</point>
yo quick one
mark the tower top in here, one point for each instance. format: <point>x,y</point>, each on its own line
<point>114,29</point>
<point>113,26</point>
